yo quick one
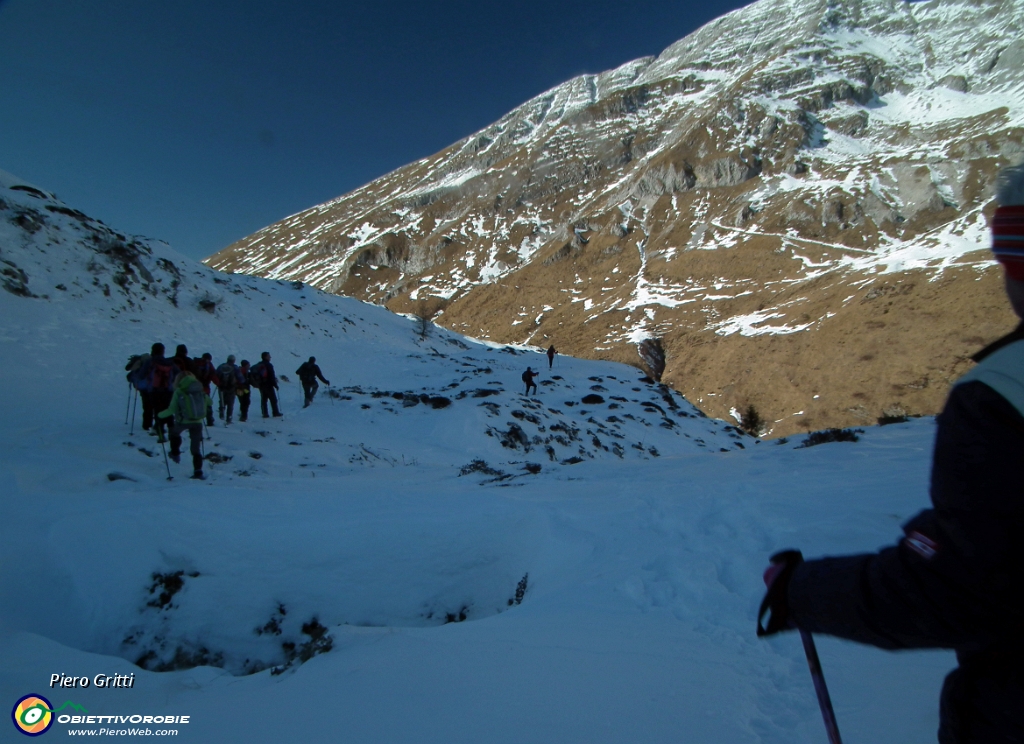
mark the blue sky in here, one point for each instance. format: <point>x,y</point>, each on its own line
<point>199,122</point>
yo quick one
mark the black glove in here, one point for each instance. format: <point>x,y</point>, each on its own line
<point>776,600</point>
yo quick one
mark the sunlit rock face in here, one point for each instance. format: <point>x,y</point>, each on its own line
<point>793,200</point>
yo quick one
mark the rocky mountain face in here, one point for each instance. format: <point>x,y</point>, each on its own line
<point>786,209</point>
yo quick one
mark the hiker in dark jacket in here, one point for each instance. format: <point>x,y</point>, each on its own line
<point>189,406</point>
<point>262,375</point>
<point>528,376</point>
<point>139,370</point>
<point>156,386</point>
<point>551,355</point>
<point>243,391</point>
<point>204,371</point>
<point>228,378</point>
<point>182,360</point>
<point>308,373</point>
<point>956,579</point>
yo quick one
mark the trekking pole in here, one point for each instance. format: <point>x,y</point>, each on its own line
<point>166,464</point>
<point>775,576</point>
<point>129,406</point>
<point>135,408</point>
<point>824,701</point>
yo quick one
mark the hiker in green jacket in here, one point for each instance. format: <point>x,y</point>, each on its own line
<point>189,406</point>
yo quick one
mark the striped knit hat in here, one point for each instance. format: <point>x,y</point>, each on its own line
<point>1008,223</point>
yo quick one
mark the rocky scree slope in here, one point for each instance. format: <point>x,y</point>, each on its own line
<point>788,208</point>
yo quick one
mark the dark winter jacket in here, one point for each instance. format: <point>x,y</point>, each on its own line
<point>205,372</point>
<point>956,579</point>
<point>308,372</point>
<point>262,375</point>
<point>184,364</point>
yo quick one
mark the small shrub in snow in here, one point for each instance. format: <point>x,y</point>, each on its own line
<point>183,658</point>
<point>752,422</point>
<point>478,466</point>
<point>273,626</point>
<point>167,584</point>
<point>208,303</point>
<point>831,435</point>
<point>456,617</point>
<point>320,642</point>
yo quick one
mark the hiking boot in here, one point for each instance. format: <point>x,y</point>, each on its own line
<point>198,475</point>
<point>243,419</point>
<point>176,456</point>
<point>228,421</point>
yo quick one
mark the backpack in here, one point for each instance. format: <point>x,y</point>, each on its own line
<point>138,371</point>
<point>160,375</point>
<point>256,374</point>
<point>227,375</point>
<point>203,369</point>
<point>192,403</point>
<point>528,377</point>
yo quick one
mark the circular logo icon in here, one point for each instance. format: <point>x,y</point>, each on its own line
<point>33,715</point>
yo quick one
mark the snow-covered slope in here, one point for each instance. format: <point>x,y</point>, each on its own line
<point>747,195</point>
<point>428,556</point>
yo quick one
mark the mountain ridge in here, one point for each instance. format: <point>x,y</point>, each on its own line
<point>751,201</point>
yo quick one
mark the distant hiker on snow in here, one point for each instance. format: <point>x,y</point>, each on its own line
<point>551,355</point>
<point>262,376</point>
<point>228,378</point>
<point>528,376</point>
<point>206,374</point>
<point>308,373</point>
<point>189,406</point>
<point>956,579</point>
<point>243,390</point>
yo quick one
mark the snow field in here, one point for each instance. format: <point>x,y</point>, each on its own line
<point>637,621</point>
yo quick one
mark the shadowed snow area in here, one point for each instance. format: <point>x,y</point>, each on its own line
<point>424,555</point>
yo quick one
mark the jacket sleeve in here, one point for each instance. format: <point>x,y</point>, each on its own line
<point>955,579</point>
<point>321,375</point>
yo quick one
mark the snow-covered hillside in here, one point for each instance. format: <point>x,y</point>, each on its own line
<point>427,555</point>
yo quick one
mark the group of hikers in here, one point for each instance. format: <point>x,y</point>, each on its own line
<point>177,391</point>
